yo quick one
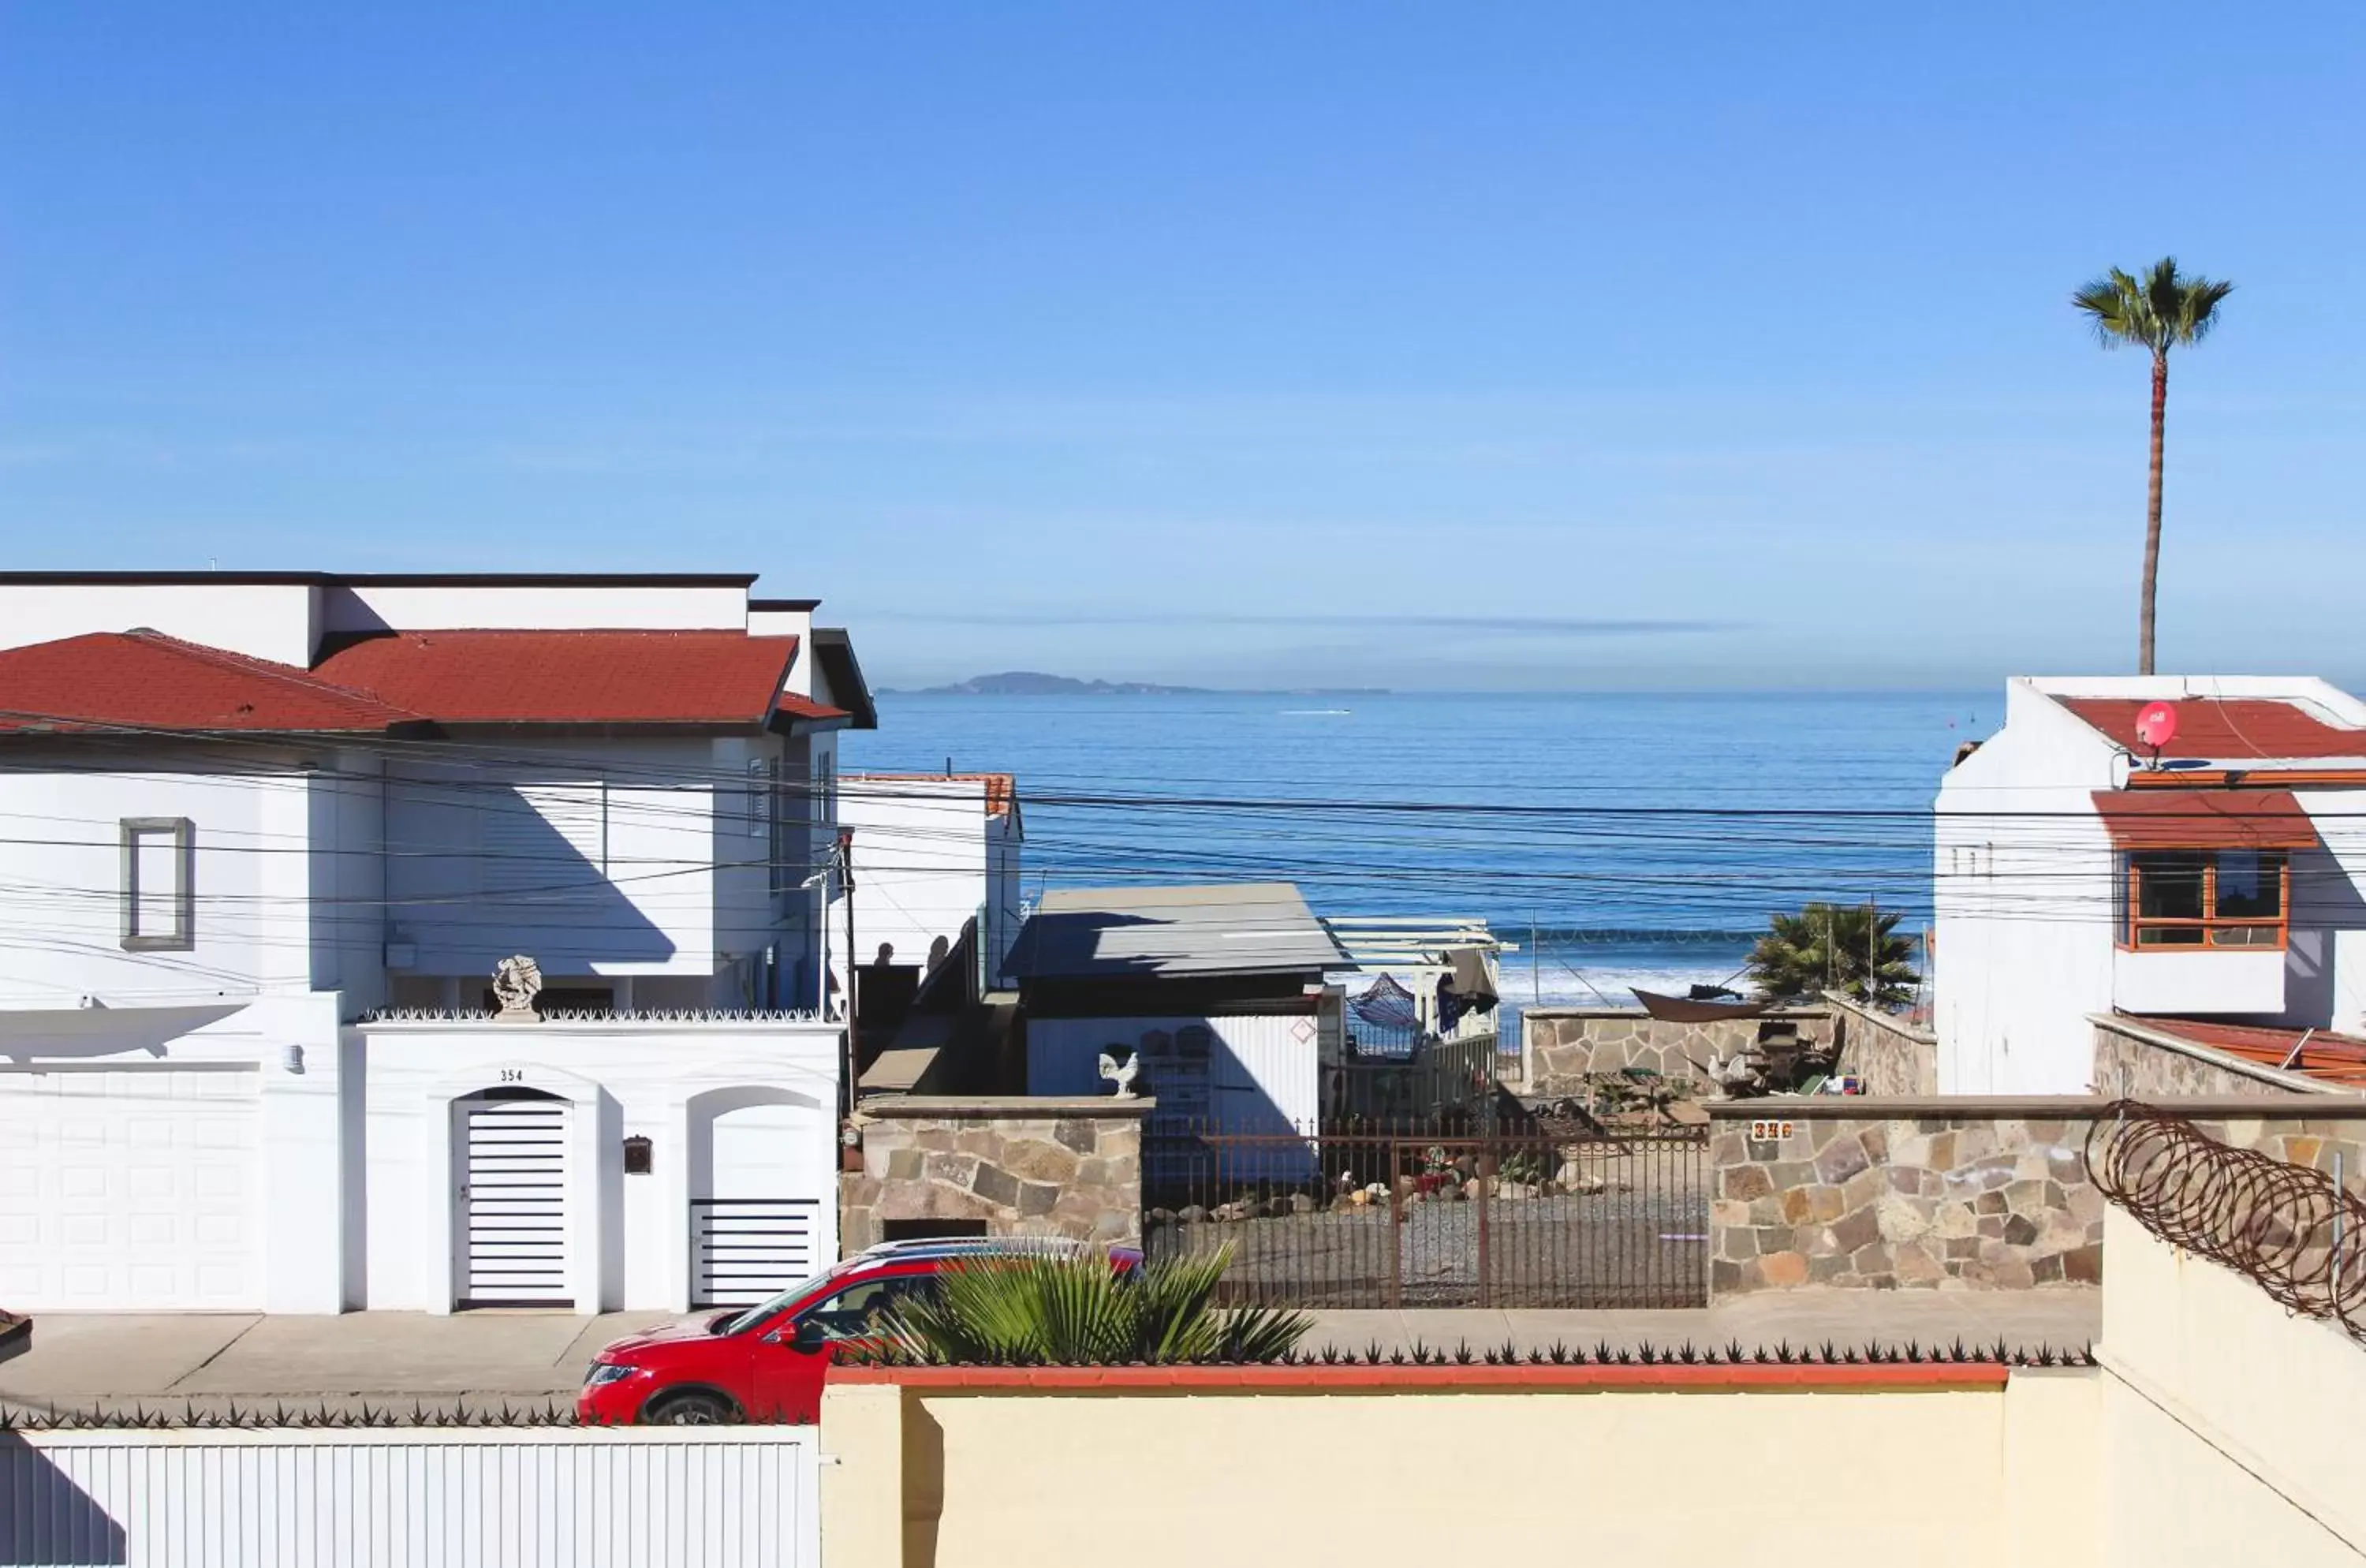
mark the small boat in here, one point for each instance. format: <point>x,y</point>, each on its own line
<point>1698,1009</point>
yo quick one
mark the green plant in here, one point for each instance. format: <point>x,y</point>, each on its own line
<point>2160,310</point>
<point>1076,1310</point>
<point>1849,948</point>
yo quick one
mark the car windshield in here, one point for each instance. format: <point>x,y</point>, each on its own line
<point>740,1322</point>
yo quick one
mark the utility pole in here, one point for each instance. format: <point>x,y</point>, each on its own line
<point>1536,965</point>
<point>848,1065</point>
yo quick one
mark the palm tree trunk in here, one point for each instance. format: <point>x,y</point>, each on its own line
<point>2152,515</point>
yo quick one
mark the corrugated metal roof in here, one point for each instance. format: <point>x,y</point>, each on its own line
<point>2226,729</point>
<point>1107,933</point>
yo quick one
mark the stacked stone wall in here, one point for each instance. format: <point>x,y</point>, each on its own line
<point>1940,1194</point>
<point>1562,1046</point>
<point>1039,1168</point>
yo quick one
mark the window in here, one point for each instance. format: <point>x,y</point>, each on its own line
<point>2208,899</point>
<point>860,1311</point>
<point>159,883</point>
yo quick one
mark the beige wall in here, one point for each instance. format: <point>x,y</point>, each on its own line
<point>1157,1478</point>
<point>2219,1431</point>
<point>2232,1427</point>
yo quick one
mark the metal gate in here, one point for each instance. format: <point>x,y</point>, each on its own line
<point>745,1250</point>
<point>512,1231</point>
<point>1422,1219</point>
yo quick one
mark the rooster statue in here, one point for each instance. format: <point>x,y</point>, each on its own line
<point>1122,1066</point>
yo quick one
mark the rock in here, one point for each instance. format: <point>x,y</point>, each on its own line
<point>1360,1198</point>
<point>1192,1213</point>
<point>1471,1188</point>
<point>1300,1203</point>
<point>1377,1192</point>
<point>1783,1269</point>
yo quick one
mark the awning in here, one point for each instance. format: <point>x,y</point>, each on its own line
<point>2205,819</point>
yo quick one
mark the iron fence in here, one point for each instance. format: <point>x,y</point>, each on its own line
<point>1457,1212</point>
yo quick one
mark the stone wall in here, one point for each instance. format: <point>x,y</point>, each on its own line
<point>2136,1062</point>
<point>1560,1046</point>
<point>1023,1165</point>
<point>1890,1055</point>
<point>1963,1192</point>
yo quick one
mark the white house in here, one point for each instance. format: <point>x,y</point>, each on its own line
<point>932,852</point>
<point>2078,872</point>
<point>263,839</point>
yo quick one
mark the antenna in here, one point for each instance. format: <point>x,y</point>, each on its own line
<point>2156,727</point>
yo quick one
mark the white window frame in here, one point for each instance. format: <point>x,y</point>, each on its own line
<point>183,936</point>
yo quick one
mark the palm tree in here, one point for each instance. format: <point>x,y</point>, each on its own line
<point>2159,311</point>
<point>1850,948</point>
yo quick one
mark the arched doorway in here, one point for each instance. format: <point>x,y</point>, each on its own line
<point>510,1227</point>
<point>763,1193</point>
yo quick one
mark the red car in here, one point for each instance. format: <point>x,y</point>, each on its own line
<point>766,1362</point>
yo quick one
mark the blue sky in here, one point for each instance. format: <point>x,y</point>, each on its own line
<point>1413,346</point>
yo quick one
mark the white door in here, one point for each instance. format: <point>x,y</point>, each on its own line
<point>769,1219</point>
<point>129,1191</point>
<point>511,1148</point>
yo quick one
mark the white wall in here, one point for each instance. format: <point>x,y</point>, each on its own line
<point>1260,1069</point>
<point>921,854</point>
<point>364,606</point>
<point>275,621</point>
<point>2023,882</point>
<point>281,1498</point>
<point>174,1157</point>
<point>61,878</point>
<point>630,1241</point>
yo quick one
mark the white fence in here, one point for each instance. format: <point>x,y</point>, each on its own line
<point>717,1498</point>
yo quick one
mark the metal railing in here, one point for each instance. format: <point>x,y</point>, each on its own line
<point>1353,1214</point>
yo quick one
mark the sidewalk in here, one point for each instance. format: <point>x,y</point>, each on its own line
<point>208,1361</point>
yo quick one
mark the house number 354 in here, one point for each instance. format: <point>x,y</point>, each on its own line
<point>512,1075</point>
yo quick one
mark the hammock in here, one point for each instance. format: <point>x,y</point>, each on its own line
<point>1384,1004</point>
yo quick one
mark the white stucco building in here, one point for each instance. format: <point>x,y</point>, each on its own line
<point>932,853</point>
<point>2077,873</point>
<point>264,837</point>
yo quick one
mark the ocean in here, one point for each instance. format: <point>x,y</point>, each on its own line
<point>1621,839</point>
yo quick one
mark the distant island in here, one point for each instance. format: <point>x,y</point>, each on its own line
<point>1035,683</point>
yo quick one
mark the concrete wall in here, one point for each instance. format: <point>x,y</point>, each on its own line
<point>1560,1046</point>
<point>952,1468</point>
<point>630,1239</point>
<point>2230,1424</point>
<point>1952,1193</point>
<point>1021,1167</point>
<point>1890,1055</point>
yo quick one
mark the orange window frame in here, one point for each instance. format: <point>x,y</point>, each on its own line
<point>2211,920</point>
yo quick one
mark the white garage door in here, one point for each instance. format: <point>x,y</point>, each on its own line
<point>769,1218</point>
<point>129,1191</point>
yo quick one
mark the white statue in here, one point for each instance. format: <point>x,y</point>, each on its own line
<point>517,980</point>
<point>1122,1066</point>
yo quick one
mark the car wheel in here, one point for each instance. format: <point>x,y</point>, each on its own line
<point>692,1408</point>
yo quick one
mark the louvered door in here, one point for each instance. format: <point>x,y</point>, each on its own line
<point>513,1214</point>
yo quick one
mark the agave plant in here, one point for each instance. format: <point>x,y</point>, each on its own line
<point>1075,1310</point>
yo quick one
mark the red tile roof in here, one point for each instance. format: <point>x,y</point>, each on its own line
<point>2205,819</point>
<point>568,677</point>
<point>2336,1058</point>
<point>2232,729</point>
<point>143,680</point>
<point>1001,789</point>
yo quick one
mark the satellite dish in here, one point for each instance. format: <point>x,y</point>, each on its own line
<point>2157,724</point>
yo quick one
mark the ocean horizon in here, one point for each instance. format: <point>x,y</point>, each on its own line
<point>1620,839</point>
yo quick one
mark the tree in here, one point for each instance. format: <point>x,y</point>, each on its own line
<point>2161,311</point>
<point>1076,1310</point>
<point>1849,948</point>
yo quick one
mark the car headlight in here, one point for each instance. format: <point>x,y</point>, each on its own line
<point>607,1373</point>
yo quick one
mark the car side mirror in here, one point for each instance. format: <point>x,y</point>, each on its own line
<point>810,1336</point>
